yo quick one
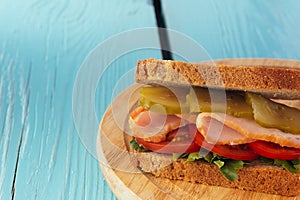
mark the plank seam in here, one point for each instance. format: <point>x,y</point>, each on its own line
<point>21,137</point>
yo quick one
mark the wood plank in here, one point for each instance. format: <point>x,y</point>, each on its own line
<point>42,45</point>
<point>12,114</point>
<point>230,29</point>
<point>119,167</point>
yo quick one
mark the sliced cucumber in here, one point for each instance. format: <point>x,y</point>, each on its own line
<point>164,100</point>
<point>270,114</point>
<point>211,100</point>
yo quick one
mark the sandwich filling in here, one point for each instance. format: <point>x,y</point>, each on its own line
<point>227,129</point>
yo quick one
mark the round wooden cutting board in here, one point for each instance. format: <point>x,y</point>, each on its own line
<point>127,182</point>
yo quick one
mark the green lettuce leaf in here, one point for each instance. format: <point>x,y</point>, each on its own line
<point>137,147</point>
<point>198,155</point>
<point>176,156</point>
<point>229,168</point>
<point>219,163</point>
<point>210,157</point>
<point>289,165</point>
<point>296,164</point>
<point>293,166</point>
<point>193,157</point>
<point>297,167</point>
<point>296,161</point>
<point>267,160</point>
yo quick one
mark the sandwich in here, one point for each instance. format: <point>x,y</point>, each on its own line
<point>235,126</point>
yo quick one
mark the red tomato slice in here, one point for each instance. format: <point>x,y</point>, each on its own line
<point>274,151</point>
<point>235,152</point>
<point>170,147</point>
<point>186,145</point>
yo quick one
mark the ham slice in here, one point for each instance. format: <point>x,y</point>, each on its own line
<point>250,129</point>
<point>153,127</point>
<point>189,117</point>
<point>216,132</point>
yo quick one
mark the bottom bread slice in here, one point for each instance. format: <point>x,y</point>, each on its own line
<point>258,177</point>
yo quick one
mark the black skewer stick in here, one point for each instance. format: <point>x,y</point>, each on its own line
<point>162,31</point>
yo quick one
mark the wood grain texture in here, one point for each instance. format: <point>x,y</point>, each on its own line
<point>42,45</point>
<point>118,163</point>
<point>126,182</point>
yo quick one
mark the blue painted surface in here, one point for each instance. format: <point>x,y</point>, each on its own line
<point>42,45</point>
<point>236,29</point>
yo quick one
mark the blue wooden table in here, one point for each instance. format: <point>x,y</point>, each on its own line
<point>50,107</point>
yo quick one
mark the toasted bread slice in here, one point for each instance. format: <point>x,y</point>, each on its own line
<point>274,80</point>
<point>257,176</point>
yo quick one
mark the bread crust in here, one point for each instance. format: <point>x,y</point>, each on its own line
<point>256,177</point>
<point>281,82</point>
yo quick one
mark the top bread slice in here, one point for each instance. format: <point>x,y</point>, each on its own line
<point>276,79</point>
